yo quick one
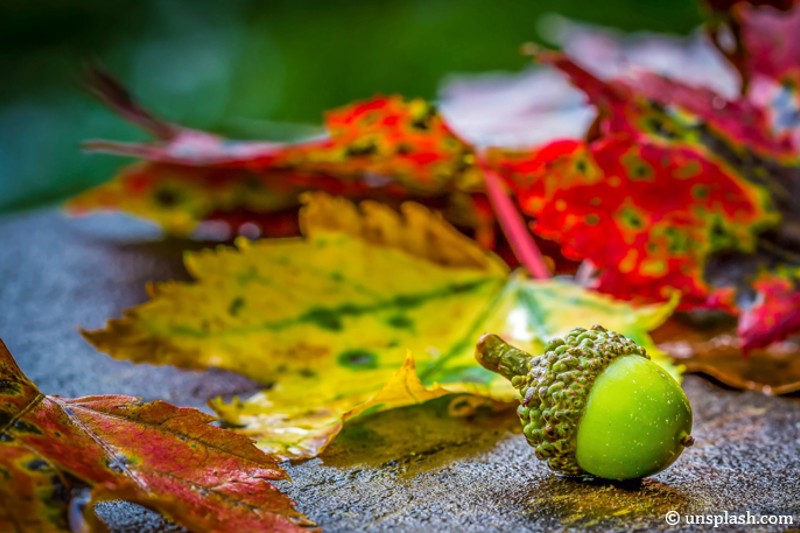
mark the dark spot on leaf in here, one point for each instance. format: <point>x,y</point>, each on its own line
<point>460,404</point>
<point>167,197</point>
<point>307,373</point>
<point>362,148</point>
<point>407,300</point>
<point>415,300</point>
<point>38,465</point>
<point>358,359</point>
<point>21,426</point>
<point>632,219</point>
<point>421,124</point>
<point>659,128</point>
<point>236,306</point>
<point>466,161</point>
<point>5,437</point>
<point>423,120</point>
<point>60,493</point>
<point>252,182</point>
<point>350,309</point>
<point>678,243</point>
<point>9,388</point>
<point>404,149</point>
<point>400,322</point>
<point>464,287</point>
<point>5,418</point>
<point>592,220</point>
<point>324,318</point>
<point>700,192</point>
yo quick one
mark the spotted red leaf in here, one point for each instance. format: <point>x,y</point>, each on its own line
<point>387,148</point>
<point>386,138</point>
<point>676,188</point>
<point>406,141</point>
<point>167,458</point>
<point>646,201</point>
<point>375,141</point>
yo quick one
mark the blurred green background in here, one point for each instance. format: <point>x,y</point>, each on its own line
<point>244,67</point>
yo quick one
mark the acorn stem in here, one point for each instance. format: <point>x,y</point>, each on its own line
<point>495,354</point>
<point>687,440</point>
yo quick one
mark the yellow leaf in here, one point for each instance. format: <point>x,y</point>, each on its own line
<point>329,320</point>
<point>294,425</point>
<point>403,388</point>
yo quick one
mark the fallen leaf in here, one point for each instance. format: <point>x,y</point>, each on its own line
<point>155,454</point>
<point>329,320</point>
<point>406,141</point>
<point>676,189</point>
<point>179,198</point>
<point>716,352</point>
<point>646,216</point>
<point>385,148</point>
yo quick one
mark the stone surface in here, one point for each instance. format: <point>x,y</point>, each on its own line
<point>413,469</point>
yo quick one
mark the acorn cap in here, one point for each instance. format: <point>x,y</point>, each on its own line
<point>554,386</point>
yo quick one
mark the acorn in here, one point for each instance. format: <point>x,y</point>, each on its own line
<point>594,404</point>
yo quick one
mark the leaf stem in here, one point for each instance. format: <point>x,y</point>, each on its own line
<point>522,243</point>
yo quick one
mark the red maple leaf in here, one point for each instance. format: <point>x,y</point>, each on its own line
<point>386,148</point>
<point>118,447</point>
<point>674,188</point>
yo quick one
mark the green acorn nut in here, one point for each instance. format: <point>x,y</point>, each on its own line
<point>594,403</point>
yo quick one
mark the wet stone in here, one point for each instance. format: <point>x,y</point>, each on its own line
<point>414,469</point>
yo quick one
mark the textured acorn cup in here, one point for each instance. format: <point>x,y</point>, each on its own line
<point>594,403</point>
